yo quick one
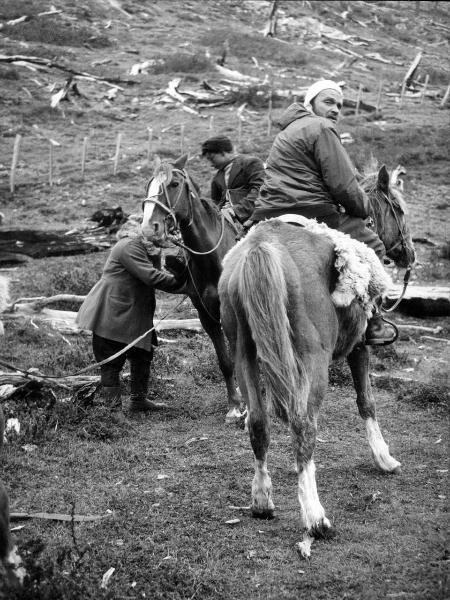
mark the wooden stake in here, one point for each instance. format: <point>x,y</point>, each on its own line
<point>15,160</point>
<point>149,144</point>
<point>358,100</point>
<point>50,163</point>
<point>402,93</point>
<point>117,154</point>
<point>380,92</point>
<point>182,138</point>
<point>83,155</point>
<point>211,124</point>
<point>445,98</point>
<point>269,116</point>
<point>424,91</point>
<point>239,136</point>
<point>294,99</point>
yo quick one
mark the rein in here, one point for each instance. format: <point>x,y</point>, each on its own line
<point>401,242</point>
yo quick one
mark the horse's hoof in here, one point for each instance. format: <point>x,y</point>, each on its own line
<point>323,530</point>
<point>304,547</point>
<point>234,415</point>
<point>266,514</point>
<point>397,470</point>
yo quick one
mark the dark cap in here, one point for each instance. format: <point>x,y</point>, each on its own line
<point>217,144</point>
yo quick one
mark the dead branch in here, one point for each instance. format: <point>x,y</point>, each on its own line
<point>20,60</point>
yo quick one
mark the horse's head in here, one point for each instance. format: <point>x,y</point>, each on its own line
<point>167,200</point>
<point>389,213</point>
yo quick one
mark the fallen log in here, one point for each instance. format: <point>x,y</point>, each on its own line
<point>39,244</point>
<point>421,300</point>
<point>63,321</point>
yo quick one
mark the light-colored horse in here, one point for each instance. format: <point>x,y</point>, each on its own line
<point>284,330</point>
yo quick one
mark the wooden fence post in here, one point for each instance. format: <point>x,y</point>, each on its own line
<point>239,133</point>
<point>424,91</point>
<point>83,155</point>
<point>117,154</point>
<point>182,138</point>
<point>15,160</point>
<point>380,92</point>
<point>358,100</point>
<point>269,115</point>
<point>149,144</point>
<point>445,98</point>
<point>50,163</point>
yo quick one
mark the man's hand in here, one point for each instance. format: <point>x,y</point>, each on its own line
<point>228,213</point>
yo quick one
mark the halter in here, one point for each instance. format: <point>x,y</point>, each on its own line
<point>170,209</point>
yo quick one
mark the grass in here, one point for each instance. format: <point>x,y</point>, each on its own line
<point>170,479</point>
<point>49,30</point>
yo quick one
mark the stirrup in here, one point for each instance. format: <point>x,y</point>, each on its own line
<point>385,342</point>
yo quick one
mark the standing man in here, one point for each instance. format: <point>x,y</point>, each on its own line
<point>309,173</point>
<point>236,184</point>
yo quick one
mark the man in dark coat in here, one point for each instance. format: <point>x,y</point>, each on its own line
<point>309,173</point>
<point>236,184</point>
<point>120,308</point>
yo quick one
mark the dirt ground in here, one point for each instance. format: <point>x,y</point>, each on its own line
<point>166,485</point>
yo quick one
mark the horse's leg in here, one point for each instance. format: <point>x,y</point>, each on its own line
<point>214,329</point>
<point>304,429</point>
<point>358,361</point>
<point>258,424</point>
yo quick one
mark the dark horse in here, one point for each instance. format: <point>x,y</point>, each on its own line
<point>173,204</point>
<point>284,331</point>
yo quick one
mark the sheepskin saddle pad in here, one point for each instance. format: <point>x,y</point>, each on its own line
<point>361,274</point>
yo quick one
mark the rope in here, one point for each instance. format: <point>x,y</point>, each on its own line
<point>405,285</point>
<point>94,365</point>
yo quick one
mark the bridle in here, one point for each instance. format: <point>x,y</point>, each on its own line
<point>170,210</point>
<point>401,242</point>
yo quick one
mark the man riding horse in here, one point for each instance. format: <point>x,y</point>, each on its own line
<point>309,173</point>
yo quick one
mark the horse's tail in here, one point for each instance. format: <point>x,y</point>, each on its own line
<point>264,297</point>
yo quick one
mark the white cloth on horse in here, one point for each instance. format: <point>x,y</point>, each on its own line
<point>361,274</point>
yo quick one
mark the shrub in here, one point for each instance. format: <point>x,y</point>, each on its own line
<point>181,63</point>
<point>246,45</point>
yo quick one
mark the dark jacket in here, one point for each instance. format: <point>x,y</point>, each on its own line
<point>308,171</point>
<point>246,177</point>
<point>121,305</point>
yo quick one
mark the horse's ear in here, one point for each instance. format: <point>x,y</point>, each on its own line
<point>156,162</point>
<point>383,179</point>
<point>181,161</point>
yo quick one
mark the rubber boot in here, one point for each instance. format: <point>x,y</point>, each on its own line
<point>380,332</point>
<point>110,392</point>
<point>111,396</point>
<point>139,376</point>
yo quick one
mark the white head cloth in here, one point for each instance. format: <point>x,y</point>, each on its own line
<point>316,88</point>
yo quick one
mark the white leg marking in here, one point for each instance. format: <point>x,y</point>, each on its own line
<point>312,512</point>
<point>379,448</point>
<point>14,562</point>
<point>262,488</point>
<point>304,547</point>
